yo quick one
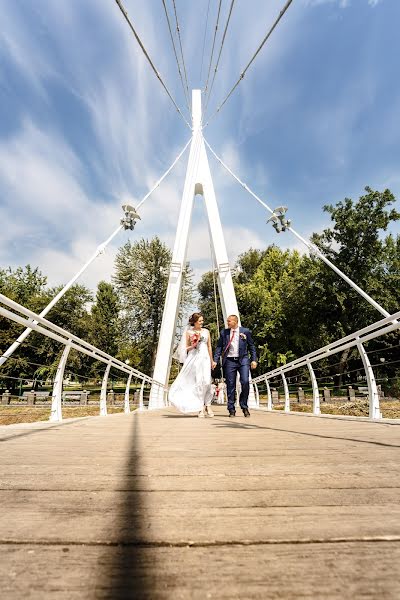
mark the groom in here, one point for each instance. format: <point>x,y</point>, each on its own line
<point>234,345</point>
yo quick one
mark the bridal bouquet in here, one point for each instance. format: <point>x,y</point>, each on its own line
<point>197,338</point>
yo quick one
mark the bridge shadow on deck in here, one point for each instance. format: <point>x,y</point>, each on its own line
<point>126,570</point>
<point>247,425</point>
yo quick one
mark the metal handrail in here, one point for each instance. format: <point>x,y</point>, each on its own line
<point>363,335</point>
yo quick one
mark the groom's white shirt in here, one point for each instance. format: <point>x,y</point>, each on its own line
<point>233,350</point>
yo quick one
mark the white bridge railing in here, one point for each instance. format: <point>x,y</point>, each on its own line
<point>27,318</point>
<point>356,339</point>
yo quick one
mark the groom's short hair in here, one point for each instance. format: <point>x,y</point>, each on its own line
<point>235,317</point>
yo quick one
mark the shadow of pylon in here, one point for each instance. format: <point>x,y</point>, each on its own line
<point>126,569</point>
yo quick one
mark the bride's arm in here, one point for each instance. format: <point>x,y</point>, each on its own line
<point>209,348</point>
<point>189,345</point>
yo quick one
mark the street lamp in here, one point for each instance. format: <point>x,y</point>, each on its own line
<point>278,219</point>
<point>130,218</point>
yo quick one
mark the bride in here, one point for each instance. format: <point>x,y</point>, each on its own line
<point>191,391</point>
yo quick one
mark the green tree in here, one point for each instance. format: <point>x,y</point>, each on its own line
<point>208,301</point>
<point>105,326</point>
<point>26,286</point>
<point>355,243</point>
<point>141,279</point>
<point>38,355</point>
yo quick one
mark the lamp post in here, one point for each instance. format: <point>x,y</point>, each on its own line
<point>280,223</point>
<point>127,222</point>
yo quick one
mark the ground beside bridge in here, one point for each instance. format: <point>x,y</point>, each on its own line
<point>159,505</point>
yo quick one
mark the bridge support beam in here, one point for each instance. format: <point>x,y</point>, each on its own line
<point>198,181</point>
<point>316,404</point>
<point>56,400</point>
<point>127,408</point>
<point>286,391</point>
<point>374,407</point>
<point>103,393</point>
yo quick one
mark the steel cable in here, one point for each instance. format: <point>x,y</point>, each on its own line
<point>180,45</point>
<point>176,55</point>
<point>219,56</point>
<point>284,9</point>
<point>125,13</point>
<point>213,46</point>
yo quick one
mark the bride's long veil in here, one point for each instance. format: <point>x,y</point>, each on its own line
<point>180,353</point>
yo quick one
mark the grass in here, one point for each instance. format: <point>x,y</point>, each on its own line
<point>30,414</point>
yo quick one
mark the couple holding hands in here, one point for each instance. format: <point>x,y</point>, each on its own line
<point>191,392</point>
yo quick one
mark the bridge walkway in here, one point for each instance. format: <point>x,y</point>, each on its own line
<point>158,505</point>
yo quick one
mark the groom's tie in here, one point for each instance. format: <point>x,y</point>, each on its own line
<point>229,343</point>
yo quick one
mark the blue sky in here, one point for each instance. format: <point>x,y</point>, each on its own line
<point>85,125</point>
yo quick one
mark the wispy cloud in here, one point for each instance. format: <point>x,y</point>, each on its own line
<point>92,128</point>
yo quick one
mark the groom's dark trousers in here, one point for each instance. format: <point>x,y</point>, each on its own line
<point>231,367</point>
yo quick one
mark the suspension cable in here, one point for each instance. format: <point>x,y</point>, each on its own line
<point>124,12</point>
<point>204,40</point>
<point>163,176</point>
<point>311,247</point>
<point>237,178</point>
<point>213,45</point>
<point>243,73</point>
<point>176,56</point>
<point>180,45</point>
<point>219,55</point>
<point>214,266</point>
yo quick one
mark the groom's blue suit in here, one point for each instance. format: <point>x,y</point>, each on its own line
<point>241,364</point>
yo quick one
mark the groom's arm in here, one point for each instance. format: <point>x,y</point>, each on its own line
<point>219,348</point>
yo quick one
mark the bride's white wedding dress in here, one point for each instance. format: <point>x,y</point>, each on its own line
<point>191,390</point>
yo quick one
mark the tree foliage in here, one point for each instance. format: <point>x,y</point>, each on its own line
<point>295,303</point>
<point>141,279</point>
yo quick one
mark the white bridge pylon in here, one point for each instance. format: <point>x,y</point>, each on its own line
<point>198,181</point>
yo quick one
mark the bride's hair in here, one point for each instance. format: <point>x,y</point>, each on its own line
<point>194,318</point>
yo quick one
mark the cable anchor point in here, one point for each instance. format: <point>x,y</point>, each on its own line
<point>130,218</point>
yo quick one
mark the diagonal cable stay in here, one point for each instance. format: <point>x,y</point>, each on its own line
<point>213,46</point>
<point>243,73</point>
<point>219,55</point>
<point>176,55</point>
<point>311,247</point>
<point>139,41</point>
<point>180,45</point>
<point>204,40</point>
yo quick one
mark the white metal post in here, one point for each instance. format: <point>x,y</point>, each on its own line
<point>56,400</point>
<point>286,390</point>
<point>269,395</point>
<point>198,181</point>
<point>256,396</point>
<point>374,408</point>
<point>103,393</point>
<point>127,408</point>
<point>141,404</point>
<point>316,404</point>
<point>99,250</point>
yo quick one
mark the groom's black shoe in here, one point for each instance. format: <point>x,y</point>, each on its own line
<point>246,412</point>
<point>232,414</point>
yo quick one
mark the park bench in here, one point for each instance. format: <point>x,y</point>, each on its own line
<point>363,390</point>
<point>32,397</point>
<point>82,396</point>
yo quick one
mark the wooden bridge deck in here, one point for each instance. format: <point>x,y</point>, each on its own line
<point>163,506</point>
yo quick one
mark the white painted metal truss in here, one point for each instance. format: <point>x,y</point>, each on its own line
<point>198,181</point>
<point>24,316</point>
<point>358,338</point>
